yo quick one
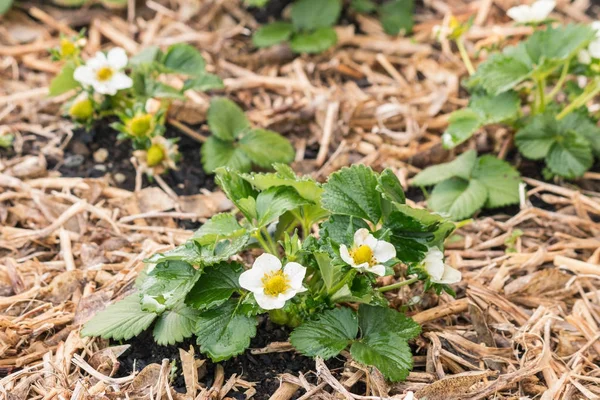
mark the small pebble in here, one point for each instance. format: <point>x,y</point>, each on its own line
<point>74,161</point>
<point>119,177</point>
<point>100,155</point>
<point>100,167</point>
<point>79,148</point>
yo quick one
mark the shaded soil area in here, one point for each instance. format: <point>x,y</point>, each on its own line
<point>263,369</point>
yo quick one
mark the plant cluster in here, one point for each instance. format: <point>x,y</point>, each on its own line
<point>324,286</point>
<point>532,87</point>
<point>312,21</point>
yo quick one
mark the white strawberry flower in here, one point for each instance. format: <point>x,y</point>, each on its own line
<point>368,253</point>
<point>438,271</point>
<point>271,285</point>
<point>535,12</point>
<point>104,73</point>
<point>593,51</point>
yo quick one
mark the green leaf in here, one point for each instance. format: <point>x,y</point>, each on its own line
<point>274,202</point>
<point>161,90</point>
<point>175,325</point>
<point>64,81</point>
<point>495,109</point>
<point>460,167</point>
<point>219,153</point>
<point>237,189</point>
<point>558,43</point>
<point>396,16</point>
<point>272,34</point>
<point>217,285</point>
<point>389,186</point>
<point>203,83</point>
<point>185,59</point>
<point>226,119</point>
<point>410,235</point>
<point>584,126</point>
<point>308,15</point>
<point>374,320</point>
<point>220,226</point>
<point>306,187</point>
<point>462,124</point>
<point>266,147</point>
<point>341,228</point>
<point>501,180</point>
<point>329,272</point>
<point>169,282</point>
<point>458,198</point>
<point>570,156</point>
<point>120,321</point>
<point>353,191</point>
<point>5,6</point>
<point>314,42</point>
<point>363,6</point>
<point>500,73</point>
<point>537,136</point>
<point>326,336</point>
<point>225,331</point>
<point>148,55</point>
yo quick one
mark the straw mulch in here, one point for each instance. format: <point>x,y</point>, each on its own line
<point>525,323</point>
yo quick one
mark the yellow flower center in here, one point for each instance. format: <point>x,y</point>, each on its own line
<point>154,155</point>
<point>67,48</point>
<point>275,283</point>
<point>140,125</point>
<point>362,254</point>
<point>104,74</point>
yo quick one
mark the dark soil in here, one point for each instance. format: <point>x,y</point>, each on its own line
<point>263,369</point>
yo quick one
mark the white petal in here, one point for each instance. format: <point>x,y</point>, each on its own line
<point>371,242</point>
<point>267,263</point>
<point>377,269</point>
<point>594,49</point>
<point>584,57</point>
<point>434,264</point>
<point>363,266</point>
<point>121,81</point>
<point>98,61</point>
<point>596,26</point>
<point>542,8</point>
<point>84,75</point>
<point>288,294</point>
<point>295,272</point>
<point>360,237</point>
<point>451,275</point>
<point>269,302</point>
<point>104,88</point>
<point>345,254</point>
<point>519,13</point>
<point>252,280</point>
<point>384,251</point>
<point>117,58</point>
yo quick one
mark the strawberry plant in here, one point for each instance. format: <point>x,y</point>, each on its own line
<point>302,280</point>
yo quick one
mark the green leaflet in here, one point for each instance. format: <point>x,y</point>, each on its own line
<point>175,325</point>
<point>461,167</point>
<point>217,285</point>
<point>309,15</point>
<point>458,198</point>
<point>272,34</point>
<point>313,42</point>
<point>183,58</point>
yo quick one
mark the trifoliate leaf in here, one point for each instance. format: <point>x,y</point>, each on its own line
<point>353,191</point>
<point>266,147</point>
<point>396,16</point>
<point>458,198</point>
<point>64,81</point>
<point>535,139</point>
<point>272,34</point>
<point>169,282</point>
<point>226,119</point>
<point>570,156</point>
<point>225,331</point>
<point>461,167</point>
<point>326,336</point>
<point>185,59</point>
<point>120,321</point>
<point>306,187</point>
<point>501,180</point>
<point>220,226</point>
<point>203,83</point>
<point>390,187</point>
<point>218,153</point>
<point>308,15</point>
<point>217,285</point>
<point>314,42</point>
<point>175,325</point>
<point>462,124</point>
<point>274,202</point>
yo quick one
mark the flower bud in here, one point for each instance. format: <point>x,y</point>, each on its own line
<point>154,155</point>
<point>81,110</point>
<point>141,125</point>
<point>67,48</point>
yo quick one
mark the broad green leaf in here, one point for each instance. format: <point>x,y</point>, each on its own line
<point>500,73</point>
<point>329,272</point>
<point>439,225</point>
<point>501,180</point>
<point>313,42</point>
<point>184,58</point>
<point>410,235</point>
<point>226,119</point>
<point>584,126</point>
<point>397,16</point>
<point>175,325</point>
<point>238,190</point>
<point>460,167</point>
<point>341,228</point>
<point>363,6</point>
<point>266,147</point>
<point>120,321</point>
<point>161,90</point>
<point>217,285</point>
<point>203,83</point>
<point>462,124</point>
<point>148,55</point>
<point>274,202</point>
<point>192,252</point>
<point>353,191</point>
<point>225,331</point>
<point>495,109</point>
<point>389,186</point>
<point>64,81</point>
<point>458,198</point>
<point>374,320</point>
<point>308,15</point>
<point>218,153</point>
<point>220,226</point>
<point>558,43</point>
<point>306,187</point>
<point>388,352</point>
<point>326,336</point>
<point>169,282</point>
<point>570,156</point>
<point>5,6</point>
<point>537,136</point>
<point>272,34</point>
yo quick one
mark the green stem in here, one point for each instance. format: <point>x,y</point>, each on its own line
<point>397,285</point>
<point>561,80</point>
<point>581,100</point>
<point>265,244</point>
<point>465,56</point>
<point>541,95</point>
<point>270,241</point>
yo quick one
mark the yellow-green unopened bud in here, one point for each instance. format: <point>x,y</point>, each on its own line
<point>154,155</point>
<point>141,125</point>
<point>67,48</point>
<point>82,109</point>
